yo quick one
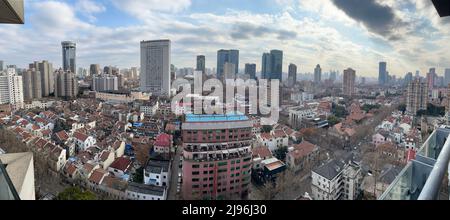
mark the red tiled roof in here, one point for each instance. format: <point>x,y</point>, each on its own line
<point>105,155</point>
<point>121,163</point>
<point>98,175</point>
<point>62,135</point>
<point>80,136</point>
<point>262,152</point>
<point>303,149</point>
<point>70,168</point>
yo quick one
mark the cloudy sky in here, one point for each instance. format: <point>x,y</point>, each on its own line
<point>337,34</point>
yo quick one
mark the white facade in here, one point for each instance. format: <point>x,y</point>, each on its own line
<point>11,89</point>
<point>155,67</point>
<point>297,114</point>
<point>149,110</point>
<point>144,192</point>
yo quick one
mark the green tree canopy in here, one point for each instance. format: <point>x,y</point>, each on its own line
<point>75,193</point>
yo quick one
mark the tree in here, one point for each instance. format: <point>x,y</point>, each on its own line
<point>267,128</point>
<point>281,152</point>
<point>138,176</point>
<point>402,108</point>
<point>333,120</point>
<point>75,193</point>
<point>339,111</point>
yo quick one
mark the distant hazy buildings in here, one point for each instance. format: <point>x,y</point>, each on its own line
<point>227,56</point>
<point>292,74</point>
<point>349,82</point>
<point>69,56</point>
<point>382,73</point>
<point>417,96</point>
<point>155,67</point>
<point>94,69</point>
<point>272,65</point>
<point>431,76</point>
<point>447,76</point>
<point>317,74</point>
<point>250,69</point>
<point>229,71</point>
<point>408,78</point>
<point>1,65</point>
<point>66,85</point>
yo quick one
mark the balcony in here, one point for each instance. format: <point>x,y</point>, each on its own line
<point>7,190</point>
<point>424,177</point>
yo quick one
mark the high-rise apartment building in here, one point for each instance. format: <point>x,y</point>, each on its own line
<point>217,156</point>
<point>69,55</point>
<point>250,69</point>
<point>417,96</point>
<point>1,65</point>
<point>317,74</point>
<point>105,83</point>
<point>32,84</point>
<point>349,82</point>
<point>382,73</point>
<point>11,89</point>
<point>227,56</point>
<point>447,76</point>
<point>155,75</point>
<point>66,85</point>
<point>292,74</point>
<point>46,78</point>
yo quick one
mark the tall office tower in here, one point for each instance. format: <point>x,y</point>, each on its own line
<point>417,74</point>
<point>292,75</point>
<point>155,67</point>
<point>217,156</point>
<point>69,56</point>
<point>333,76</point>
<point>266,67</point>
<point>66,85</point>
<point>103,83</point>
<point>349,82</point>
<point>277,64</point>
<point>201,64</point>
<point>382,73</point>
<point>227,56</point>
<point>1,65</point>
<point>417,97</point>
<point>229,71</point>
<point>430,80</point>
<point>94,69</point>
<point>317,74</point>
<point>11,88</point>
<point>447,76</point>
<point>250,69</point>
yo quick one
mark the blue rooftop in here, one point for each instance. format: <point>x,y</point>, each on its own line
<point>216,118</point>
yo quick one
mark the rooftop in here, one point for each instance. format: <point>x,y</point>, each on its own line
<point>216,118</point>
<point>146,189</point>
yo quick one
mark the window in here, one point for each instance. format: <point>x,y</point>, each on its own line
<point>195,173</point>
<point>195,166</point>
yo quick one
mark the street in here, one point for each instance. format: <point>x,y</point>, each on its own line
<point>172,192</point>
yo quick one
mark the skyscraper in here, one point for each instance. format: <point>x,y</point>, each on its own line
<point>46,78</point>
<point>317,74</point>
<point>408,78</point>
<point>1,65</point>
<point>217,156</point>
<point>250,69</point>
<point>382,73</point>
<point>349,82</point>
<point>272,65</point>
<point>105,83</point>
<point>201,66</point>
<point>277,64</point>
<point>155,67</point>
<point>333,76</point>
<point>430,79</point>
<point>66,85</point>
<point>417,97</point>
<point>227,56</point>
<point>94,69</point>
<point>69,56</point>
<point>266,66</point>
<point>292,75</point>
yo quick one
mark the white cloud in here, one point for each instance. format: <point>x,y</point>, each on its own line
<point>89,8</point>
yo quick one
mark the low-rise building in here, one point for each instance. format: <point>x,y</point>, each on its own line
<point>136,191</point>
<point>300,155</point>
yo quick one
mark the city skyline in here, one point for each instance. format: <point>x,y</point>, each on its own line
<point>301,29</point>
